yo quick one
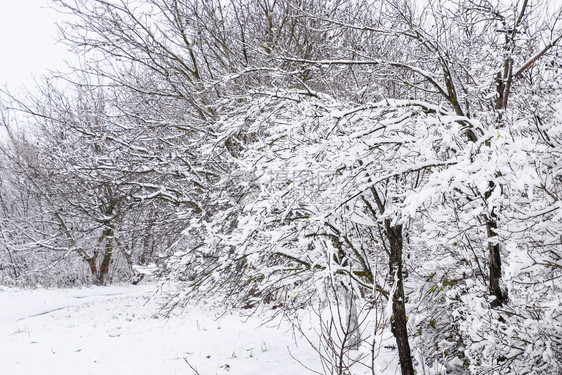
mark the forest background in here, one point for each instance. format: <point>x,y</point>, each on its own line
<point>383,163</point>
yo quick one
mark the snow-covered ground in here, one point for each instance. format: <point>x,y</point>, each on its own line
<point>112,330</point>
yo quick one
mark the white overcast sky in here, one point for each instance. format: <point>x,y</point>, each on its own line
<point>28,46</point>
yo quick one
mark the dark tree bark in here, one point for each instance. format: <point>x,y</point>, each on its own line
<point>99,276</point>
<point>495,266</point>
<point>399,319</point>
<point>108,253</point>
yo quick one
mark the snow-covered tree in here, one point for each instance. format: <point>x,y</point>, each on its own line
<point>439,186</point>
<point>382,152</point>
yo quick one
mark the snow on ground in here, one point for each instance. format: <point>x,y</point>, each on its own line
<point>112,330</point>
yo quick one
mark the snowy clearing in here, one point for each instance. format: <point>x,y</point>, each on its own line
<point>113,330</point>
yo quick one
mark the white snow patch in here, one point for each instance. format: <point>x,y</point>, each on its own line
<point>112,330</point>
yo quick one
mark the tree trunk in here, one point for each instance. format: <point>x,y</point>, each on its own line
<point>106,261</point>
<point>399,319</point>
<point>352,320</point>
<point>495,265</point>
<point>99,276</point>
<point>503,88</point>
<point>93,269</point>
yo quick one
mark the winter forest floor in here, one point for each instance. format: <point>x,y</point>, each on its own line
<point>113,330</point>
